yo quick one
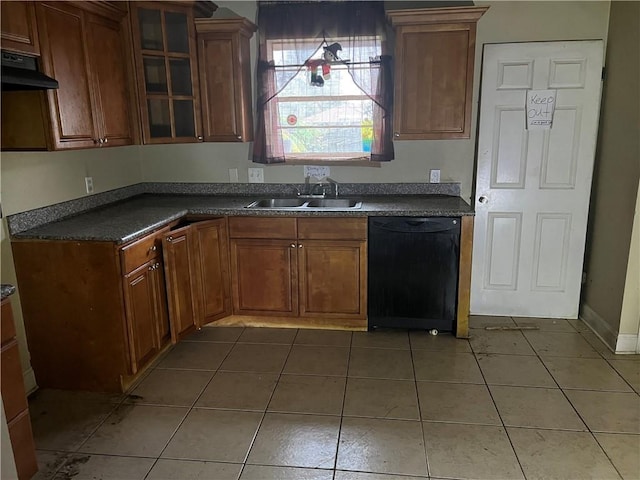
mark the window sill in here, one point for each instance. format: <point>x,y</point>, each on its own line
<point>337,163</point>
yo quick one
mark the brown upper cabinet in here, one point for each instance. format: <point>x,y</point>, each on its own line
<point>19,28</point>
<point>167,72</point>
<point>434,58</point>
<point>83,46</point>
<point>225,78</point>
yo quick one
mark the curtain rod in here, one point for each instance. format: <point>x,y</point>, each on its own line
<point>346,64</point>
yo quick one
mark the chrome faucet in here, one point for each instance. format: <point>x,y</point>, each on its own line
<point>335,186</point>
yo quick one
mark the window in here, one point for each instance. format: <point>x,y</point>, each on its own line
<point>312,108</point>
<point>329,122</point>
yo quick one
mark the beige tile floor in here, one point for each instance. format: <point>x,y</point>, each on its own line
<point>249,404</point>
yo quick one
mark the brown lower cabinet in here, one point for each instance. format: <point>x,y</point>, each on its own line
<point>312,268</point>
<point>14,398</point>
<point>97,313</point>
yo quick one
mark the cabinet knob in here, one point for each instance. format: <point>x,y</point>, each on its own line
<point>300,246</point>
<point>200,138</point>
<point>105,139</point>
<point>239,137</point>
<point>153,249</point>
<point>169,239</point>
<point>293,245</point>
<point>396,134</point>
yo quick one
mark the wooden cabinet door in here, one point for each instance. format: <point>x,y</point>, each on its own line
<point>19,28</point>
<point>333,278</point>
<point>163,327</point>
<point>212,269</point>
<point>264,277</point>
<point>180,279</point>
<point>434,72</point>
<point>141,315</point>
<point>164,45</point>
<point>61,28</point>
<point>225,79</point>
<point>107,57</point>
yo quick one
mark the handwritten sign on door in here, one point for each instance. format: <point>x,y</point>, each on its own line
<point>540,107</point>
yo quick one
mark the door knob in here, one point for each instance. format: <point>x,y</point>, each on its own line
<point>483,199</point>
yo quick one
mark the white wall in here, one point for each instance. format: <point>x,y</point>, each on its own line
<point>630,315</point>
<point>615,186</point>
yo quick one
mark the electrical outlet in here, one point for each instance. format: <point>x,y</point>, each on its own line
<point>434,176</point>
<point>256,175</point>
<point>88,183</point>
<point>233,175</point>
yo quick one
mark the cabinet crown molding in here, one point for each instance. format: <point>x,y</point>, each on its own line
<point>422,16</point>
<point>227,25</point>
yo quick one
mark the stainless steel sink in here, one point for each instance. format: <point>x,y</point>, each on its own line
<point>277,203</point>
<point>334,203</point>
<point>301,203</point>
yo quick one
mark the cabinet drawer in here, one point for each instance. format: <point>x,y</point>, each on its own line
<point>262,227</point>
<point>8,328</point>
<point>13,394</point>
<point>332,228</point>
<point>141,251</point>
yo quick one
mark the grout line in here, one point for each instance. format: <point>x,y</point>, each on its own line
<point>415,385</point>
<point>495,405</point>
<point>266,407</point>
<point>344,399</point>
<point>584,422</point>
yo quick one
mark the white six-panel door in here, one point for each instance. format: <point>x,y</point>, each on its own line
<point>533,186</point>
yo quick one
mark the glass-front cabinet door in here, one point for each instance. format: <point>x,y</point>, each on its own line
<point>165,50</point>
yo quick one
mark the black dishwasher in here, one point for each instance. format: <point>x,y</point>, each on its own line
<point>413,272</point>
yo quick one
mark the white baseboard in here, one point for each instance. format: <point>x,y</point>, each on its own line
<point>627,343</point>
<point>599,326</point>
<point>30,384</point>
<point>617,343</point>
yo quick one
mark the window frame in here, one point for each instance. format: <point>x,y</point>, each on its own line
<point>318,158</point>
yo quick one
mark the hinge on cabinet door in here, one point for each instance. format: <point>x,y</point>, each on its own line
<point>604,73</point>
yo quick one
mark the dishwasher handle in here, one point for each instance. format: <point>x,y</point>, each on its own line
<point>417,224</point>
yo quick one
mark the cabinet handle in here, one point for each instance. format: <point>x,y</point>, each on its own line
<point>293,245</point>
<point>153,249</point>
<point>169,239</point>
<point>396,134</point>
<point>300,246</point>
<point>200,138</point>
<point>150,267</point>
<point>106,139</point>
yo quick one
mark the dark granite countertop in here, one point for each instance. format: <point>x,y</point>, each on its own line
<point>129,219</point>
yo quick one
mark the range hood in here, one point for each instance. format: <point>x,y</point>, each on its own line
<point>20,72</point>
